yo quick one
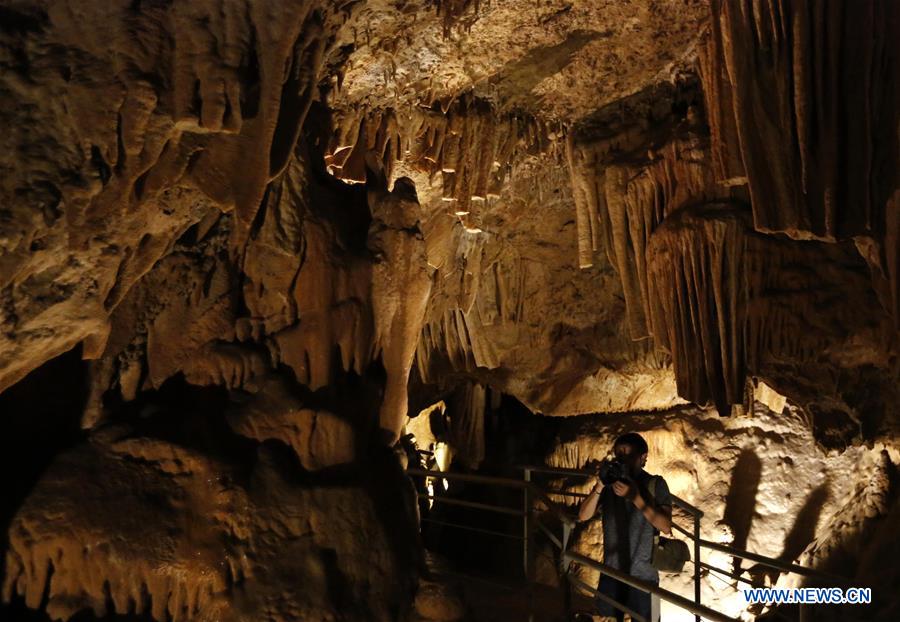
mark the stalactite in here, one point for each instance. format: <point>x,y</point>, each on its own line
<point>306,295</point>
<point>481,321</point>
<point>452,11</point>
<point>466,408</point>
<point>804,104</point>
<point>400,289</point>
<point>469,143</point>
<point>585,174</point>
<point>728,302</point>
<point>699,289</point>
<point>618,206</point>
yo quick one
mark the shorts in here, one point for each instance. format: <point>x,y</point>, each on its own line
<point>633,598</point>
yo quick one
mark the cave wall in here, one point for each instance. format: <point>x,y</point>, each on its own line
<point>781,123</point>
<point>194,538</point>
<point>329,215</point>
<point>764,485</point>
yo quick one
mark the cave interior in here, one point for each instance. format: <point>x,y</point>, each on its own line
<point>259,258</point>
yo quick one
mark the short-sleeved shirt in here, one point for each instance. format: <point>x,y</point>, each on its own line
<point>640,531</point>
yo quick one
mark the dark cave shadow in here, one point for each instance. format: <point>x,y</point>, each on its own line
<point>42,418</point>
<point>804,529</point>
<point>740,503</point>
<point>514,436</point>
<point>518,78</point>
<point>801,534</point>
<point>395,511</point>
<point>336,582</point>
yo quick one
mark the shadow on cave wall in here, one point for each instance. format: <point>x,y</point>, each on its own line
<point>804,530</point>
<point>740,503</point>
<point>800,535</point>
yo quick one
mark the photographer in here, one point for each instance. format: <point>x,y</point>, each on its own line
<point>635,506</point>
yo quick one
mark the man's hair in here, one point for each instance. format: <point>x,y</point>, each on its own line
<point>636,441</point>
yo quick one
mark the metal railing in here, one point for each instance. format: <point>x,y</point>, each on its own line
<point>696,514</point>
<point>533,521</point>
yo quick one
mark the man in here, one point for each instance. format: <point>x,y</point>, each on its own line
<point>634,509</point>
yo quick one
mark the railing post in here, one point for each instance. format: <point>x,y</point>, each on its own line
<point>696,561</point>
<point>526,502</point>
<point>564,570</point>
<point>526,542</point>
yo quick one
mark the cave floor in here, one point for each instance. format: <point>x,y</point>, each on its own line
<point>490,600</point>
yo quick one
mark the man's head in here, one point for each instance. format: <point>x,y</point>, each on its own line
<point>631,449</point>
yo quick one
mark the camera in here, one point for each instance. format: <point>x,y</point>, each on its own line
<point>610,471</point>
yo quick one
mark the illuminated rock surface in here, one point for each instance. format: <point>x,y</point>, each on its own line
<point>274,230</point>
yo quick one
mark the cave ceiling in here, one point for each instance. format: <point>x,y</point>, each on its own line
<point>593,206</point>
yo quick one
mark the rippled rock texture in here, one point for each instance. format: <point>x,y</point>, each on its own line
<point>330,215</point>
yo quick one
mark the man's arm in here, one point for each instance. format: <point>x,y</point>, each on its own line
<point>589,506</point>
<point>659,516</point>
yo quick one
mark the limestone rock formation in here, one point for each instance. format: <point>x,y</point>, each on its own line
<point>763,486</point>
<point>194,538</point>
<point>299,224</point>
<point>132,123</point>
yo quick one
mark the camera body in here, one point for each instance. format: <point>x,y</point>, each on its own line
<point>610,471</point>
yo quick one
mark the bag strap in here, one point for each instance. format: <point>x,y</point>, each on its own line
<point>651,486</point>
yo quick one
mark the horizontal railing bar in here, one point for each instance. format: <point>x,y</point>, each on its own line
<point>682,530</point>
<point>466,477</point>
<point>476,529</point>
<point>722,571</point>
<point>617,605</point>
<point>687,507</point>
<point>646,586</point>
<point>558,471</point>
<point>773,563</point>
<point>579,583</point>
<point>611,601</point>
<point>474,504</point>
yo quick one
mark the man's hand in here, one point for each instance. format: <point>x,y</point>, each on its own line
<point>589,506</point>
<point>625,489</point>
